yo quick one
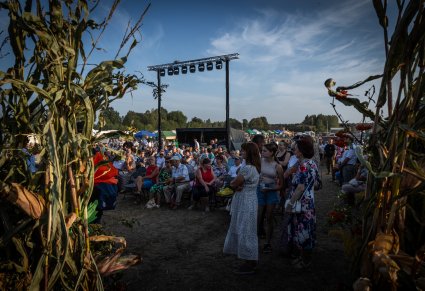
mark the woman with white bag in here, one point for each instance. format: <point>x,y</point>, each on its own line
<point>300,206</point>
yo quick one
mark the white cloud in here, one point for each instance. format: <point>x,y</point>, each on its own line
<point>285,58</point>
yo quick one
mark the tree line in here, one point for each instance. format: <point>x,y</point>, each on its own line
<point>148,120</point>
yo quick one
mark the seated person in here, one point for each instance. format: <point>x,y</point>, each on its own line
<point>233,171</point>
<point>179,183</point>
<point>220,171</point>
<point>355,185</point>
<point>105,189</point>
<point>150,178</point>
<point>127,169</point>
<point>203,188</point>
<point>163,180</point>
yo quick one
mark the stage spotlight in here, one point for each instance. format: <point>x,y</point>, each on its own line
<point>209,66</point>
<point>218,65</point>
<point>176,71</point>
<point>162,72</point>
<point>192,68</point>
<point>201,67</point>
<point>170,71</point>
<point>184,69</point>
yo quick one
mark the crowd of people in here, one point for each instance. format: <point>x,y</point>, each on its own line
<point>265,178</point>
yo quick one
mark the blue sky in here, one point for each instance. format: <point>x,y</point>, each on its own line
<point>287,49</point>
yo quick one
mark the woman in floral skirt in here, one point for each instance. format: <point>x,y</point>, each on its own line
<point>302,225</point>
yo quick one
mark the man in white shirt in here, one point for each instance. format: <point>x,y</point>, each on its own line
<point>179,182</point>
<point>160,160</point>
<point>346,164</point>
<point>234,169</point>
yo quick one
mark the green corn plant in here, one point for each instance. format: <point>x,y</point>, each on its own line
<point>44,233</point>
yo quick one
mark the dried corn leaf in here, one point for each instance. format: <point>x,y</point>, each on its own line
<point>114,264</point>
<point>31,203</point>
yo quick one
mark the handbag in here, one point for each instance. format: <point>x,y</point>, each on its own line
<point>297,207</point>
<point>229,204</point>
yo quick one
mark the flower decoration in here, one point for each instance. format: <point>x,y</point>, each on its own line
<point>364,126</point>
<point>341,133</point>
<point>340,143</point>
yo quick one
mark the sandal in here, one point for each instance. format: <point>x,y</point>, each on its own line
<point>267,249</point>
<point>301,265</point>
<point>244,269</point>
<point>296,261</point>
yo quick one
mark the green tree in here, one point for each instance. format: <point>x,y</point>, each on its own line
<point>259,123</point>
<point>195,122</point>
<point>133,119</point>
<point>179,118</point>
<point>111,119</point>
<point>245,123</point>
<point>235,123</point>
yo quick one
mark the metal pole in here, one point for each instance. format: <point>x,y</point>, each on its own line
<point>159,111</point>
<point>227,106</point>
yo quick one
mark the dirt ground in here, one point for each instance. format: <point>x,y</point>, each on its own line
<point>182,250</point>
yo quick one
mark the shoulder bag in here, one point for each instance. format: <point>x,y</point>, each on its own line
<point>296,207</point>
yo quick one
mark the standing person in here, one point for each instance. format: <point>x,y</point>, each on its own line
<point>330,152</point>
<point>283,155</point>
<point>241,238</point>
<point>321,149</point>
<point>259,140</point>
<point>196,143</point>
<point>347,162</point>
<point>302,226</point>
<point>271,181</point>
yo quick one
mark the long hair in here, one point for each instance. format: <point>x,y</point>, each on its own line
<point>252,154</point>
<point>272,147</point>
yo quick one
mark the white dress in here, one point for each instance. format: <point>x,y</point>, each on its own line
<point>241,239</point>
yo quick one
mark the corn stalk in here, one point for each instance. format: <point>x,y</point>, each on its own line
<point>44,234</point>
<point>393,248</point>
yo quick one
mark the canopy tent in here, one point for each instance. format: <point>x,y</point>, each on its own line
<point>144,133</point>
<point>249,131</point>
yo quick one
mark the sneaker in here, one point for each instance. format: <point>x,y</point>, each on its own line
<point>267,249</point>
<point>207,209</point>
<point>190,207</point>
<point>244,270</point>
